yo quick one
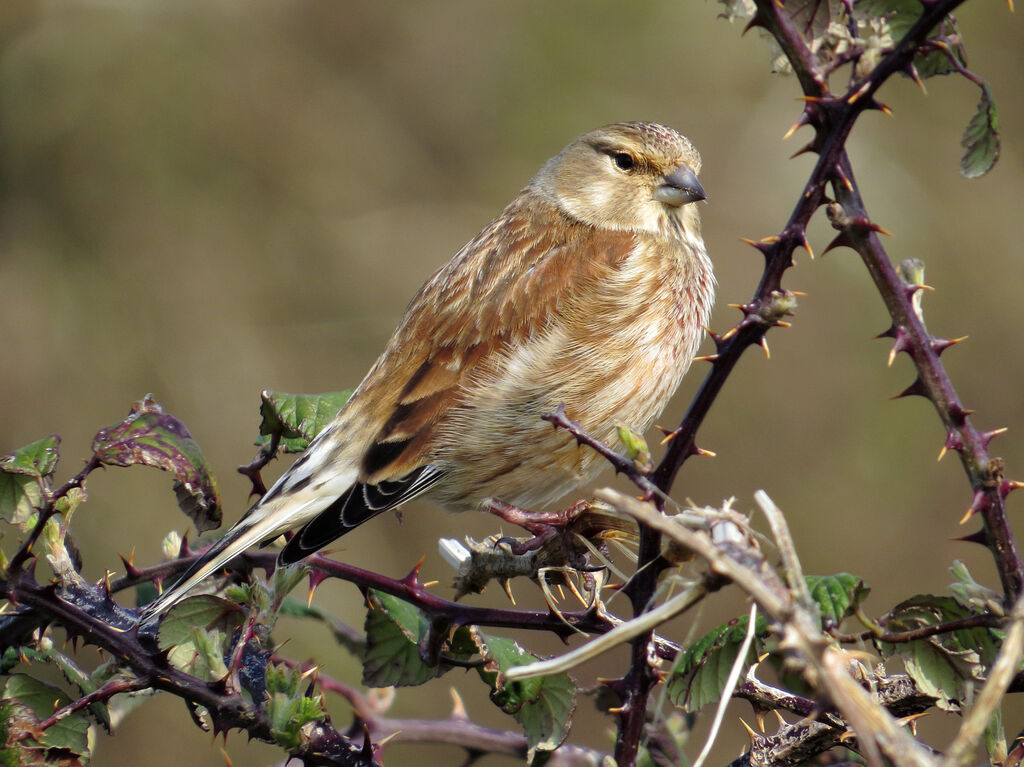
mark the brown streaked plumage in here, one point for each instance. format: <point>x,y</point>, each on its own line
<point>589,290</point>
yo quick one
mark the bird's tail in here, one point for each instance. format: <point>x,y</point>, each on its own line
<point>276,513</point>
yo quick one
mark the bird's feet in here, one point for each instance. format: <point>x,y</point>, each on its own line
<point>544,525</point>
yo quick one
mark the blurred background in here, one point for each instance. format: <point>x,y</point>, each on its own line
<point>205,198</point>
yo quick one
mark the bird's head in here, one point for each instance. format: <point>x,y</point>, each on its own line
<point>633,176</point>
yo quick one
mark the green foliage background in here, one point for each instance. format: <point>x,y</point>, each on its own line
<point>204,198</point>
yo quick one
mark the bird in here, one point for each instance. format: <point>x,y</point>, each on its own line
<point>590,290</point>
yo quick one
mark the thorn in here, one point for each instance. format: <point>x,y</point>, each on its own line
<point>976,505</point>
<point>912,71</point>
<point>310,673</point>
<point>853,97</point>
<point>881,107</point>
<point>808,147</point>
<point>809,99</point>
<point>841,240</point>
<point>782,722</point>
<point>807,247</point>
<point>783,324</point>
<point>799,293</point>
<point>704,453</point>
<point>911,720</point>
<point>414,574</point>
<point>749,730</point>
<point>730,333</point>
<point>1007,486</point>
<point>508,591</point>
<point>764,345</point>
<point>842,177</point>
<point>800,122</point>
<point>458,707</point>
<point>130,570</point>
<point>915,389</point>
<point>939,345</point>
<point>942,453</point>
<point>756,22</point>
<point>975,537</point>
<point>759,716</point>
<point>428,584</point>
<point>890,333</point>
<point>771,239</point>
<point>706,358</point>
<point>987,436</point>
<point>669,436</point>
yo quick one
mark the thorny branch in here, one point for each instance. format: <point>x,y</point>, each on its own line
<point>833,118</point>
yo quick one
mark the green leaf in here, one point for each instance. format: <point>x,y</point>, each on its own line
<point>288,714</point>
<point>203,611</point>
<point>20,496</point>
<point>151,437</point>
<point>944,666</point>
<point>981,139</point>
<point>36,460</point>
<point>394,630</point>
<point>701,672</point>
<point>837,595</point>
<point>195,634</point>
<point>71,732</point>
<point>544,706</point>
<point>298,418</point>
<point>899,16</point>
<point>971,594</point>
<point>201,655</point>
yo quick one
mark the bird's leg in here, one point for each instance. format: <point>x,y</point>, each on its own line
<point>544,525</point>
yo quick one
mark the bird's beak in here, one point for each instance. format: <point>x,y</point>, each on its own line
<point>680,188</point>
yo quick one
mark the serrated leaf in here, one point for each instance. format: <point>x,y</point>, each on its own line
<point>298,418</point>
<point>151,437</point>
<point>971,594</point>
<point>203,611</point>
<point>288,714</point>
<point>201,655</point>
<point>38,459</point>
<point>945,666</point>
<point>544,706</point>
<point>837,595</point>
<point>700,674</point>
<point>981,138</point>
<point>20,496</point>
<point>71,732</point>
<point>394,630</point>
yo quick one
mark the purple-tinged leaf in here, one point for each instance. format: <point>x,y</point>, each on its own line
<point>151,437</point>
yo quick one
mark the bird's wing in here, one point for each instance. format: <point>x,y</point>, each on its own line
<point>503,287</point>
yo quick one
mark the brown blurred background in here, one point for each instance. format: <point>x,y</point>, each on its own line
<point>201,199</point>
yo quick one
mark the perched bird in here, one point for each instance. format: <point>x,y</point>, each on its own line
<point>589,290</point>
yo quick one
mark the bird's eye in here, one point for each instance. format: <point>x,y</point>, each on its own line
<point>623,161</point>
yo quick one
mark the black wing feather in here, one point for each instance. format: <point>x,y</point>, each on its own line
<point>360,503</point>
